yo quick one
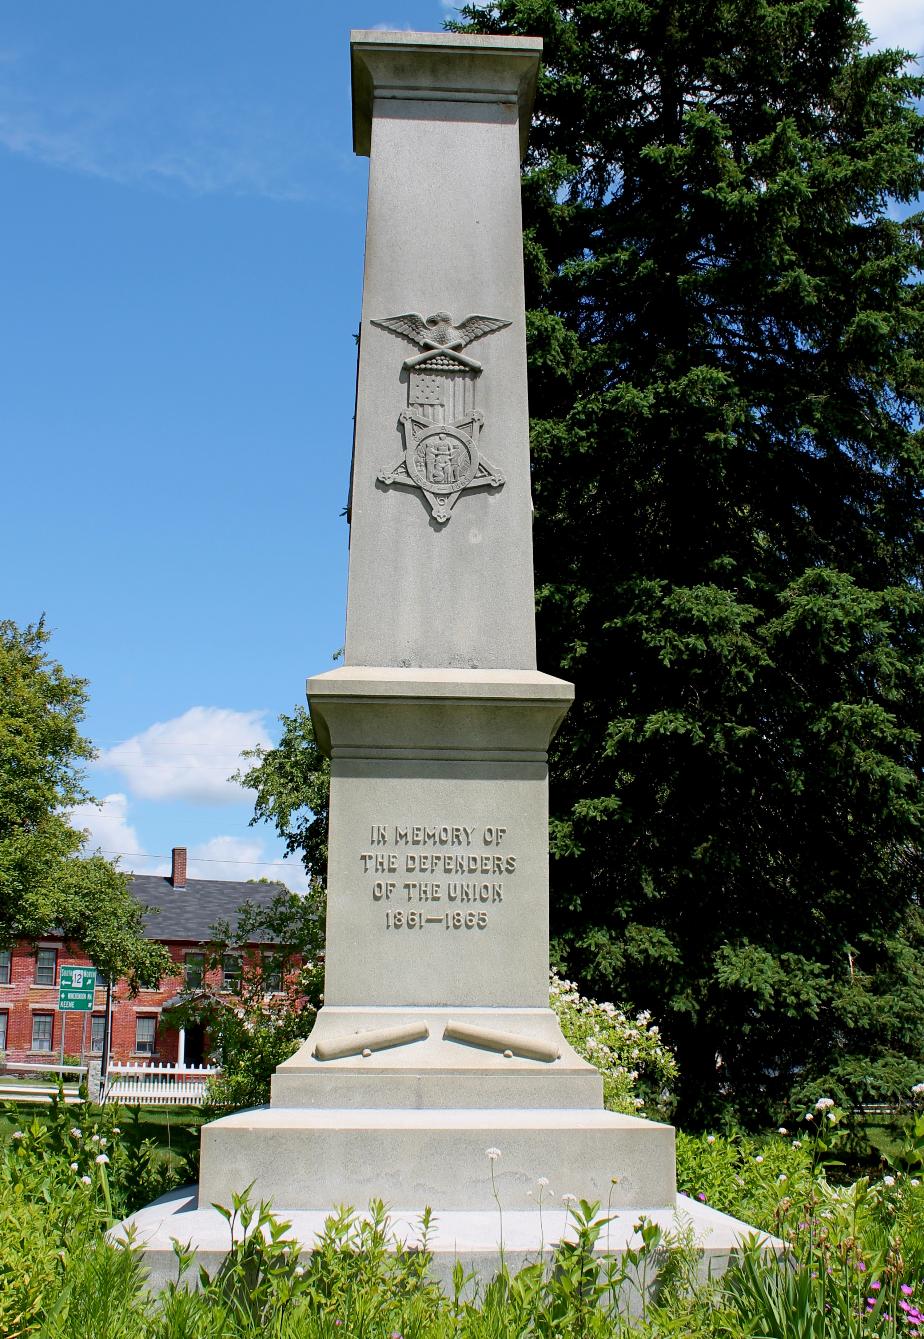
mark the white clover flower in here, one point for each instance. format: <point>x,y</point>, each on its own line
<point>809,1116</point>
<point>86,1180</point>
<point>18,1134</point>
<point>797,1143</point>
<point>103,1143</point>
<point>101,1158</point>
<point>542,1182</point>
<point>74,1167</point>
<point>76,1132</point>
<point>568,1199</point>
<point>914,1182</point>
<point>824,1103</point>
<point>782,1177</point>
<point>710,1138</point>
<point>94,1138</point>
<point>782,1130</point>
<point>492,1154</point>
<point>759,1158</point>
<point>298,1271</point>
<point>116,1130</point>
<point>888,1180</point>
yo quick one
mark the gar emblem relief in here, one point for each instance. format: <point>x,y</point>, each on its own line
<point>441,425</point>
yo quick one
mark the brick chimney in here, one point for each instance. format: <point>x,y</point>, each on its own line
<point>178,874</point>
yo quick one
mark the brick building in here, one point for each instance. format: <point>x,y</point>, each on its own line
<point>181,913</point>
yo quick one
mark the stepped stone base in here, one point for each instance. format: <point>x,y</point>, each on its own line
<point>311,1158</point>
<point>475,1238</point>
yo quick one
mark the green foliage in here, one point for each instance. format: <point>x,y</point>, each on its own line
<point>638,1070</point>
<point>291,783</point>
<point>43,885</point>
<point>726,345</point>
<point>275,1003</point>
<point>60,1279</point>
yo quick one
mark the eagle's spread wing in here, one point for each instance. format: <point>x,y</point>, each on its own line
<point>411,326</point>
<point>473,327</point>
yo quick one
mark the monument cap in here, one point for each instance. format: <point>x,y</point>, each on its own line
<point>413,65</point>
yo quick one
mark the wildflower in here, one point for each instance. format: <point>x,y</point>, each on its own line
<point>701,1197</point>
<point>875,1285</point>
<point>782,1177</point>
<point>782,1130</point>
<point>568,1200</point>
<point>710,1138</point>
<point>797,1143</point>
<point>759,1158</point>
<point>888,1180</point>
<point>907,1289</point>
<point>918,1090</point>
<point>76,1132</point>
<point>861,1266</point>
<point>824,1103</point>
<point>542,1182</point>
<point>74,1167</point>
<point>103,1143</point>
<point>492,1154</point>
<point>18,1134</point>
<point>101,1159</point>
<point>94,1138</point>
<point>914,1181</point>
<point>809,1116</point>
<point>86,1180</point>
<point>116,1130</point>
<point>298,1271</point>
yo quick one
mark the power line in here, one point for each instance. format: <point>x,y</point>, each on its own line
<point>193,859</point>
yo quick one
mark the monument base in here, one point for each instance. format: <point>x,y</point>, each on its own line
<point>481,1240</point>
<point>316,1158</point>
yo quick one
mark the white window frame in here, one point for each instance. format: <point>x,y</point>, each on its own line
<point>43,1050</point>
<point>140,1047</point>
<point>97,1018</point>
<point>6,966</point>
<point>38,966</point>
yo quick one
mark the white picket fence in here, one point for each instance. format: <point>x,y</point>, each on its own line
<point>157,1085</point>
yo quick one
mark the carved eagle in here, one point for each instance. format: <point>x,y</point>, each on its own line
<point>438,331</point>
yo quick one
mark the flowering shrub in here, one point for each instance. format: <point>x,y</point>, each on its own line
<point>638,1070</point>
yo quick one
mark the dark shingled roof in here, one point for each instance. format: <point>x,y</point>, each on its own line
<point>190,912</point>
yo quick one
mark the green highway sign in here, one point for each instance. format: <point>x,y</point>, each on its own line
<point>75,988</point>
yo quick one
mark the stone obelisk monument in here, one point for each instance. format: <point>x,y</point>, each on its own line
<point>436,1041</point>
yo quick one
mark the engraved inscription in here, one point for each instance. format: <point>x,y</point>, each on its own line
<point>472,861</point>
<point>441,426</point>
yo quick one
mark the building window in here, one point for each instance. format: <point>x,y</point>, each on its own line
<point>42,1031</point>
<point>4,1026</point>
<point>272,973</point>
<point>145,1034</point>
<point>231,973</point>
<point>97,1028</point>
<point>194,970</point>
<point>46,966</point>
<point>6,966</point>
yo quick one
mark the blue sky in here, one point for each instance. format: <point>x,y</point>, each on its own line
<point>181,269</point>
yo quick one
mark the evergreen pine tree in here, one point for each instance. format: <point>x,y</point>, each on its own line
<point>726,377</point>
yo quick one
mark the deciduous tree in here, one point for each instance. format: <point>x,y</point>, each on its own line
<point>44,886</point>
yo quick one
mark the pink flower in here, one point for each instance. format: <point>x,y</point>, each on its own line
<point>907,1289</point>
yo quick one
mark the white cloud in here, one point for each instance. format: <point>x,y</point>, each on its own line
<point>895,23</point>
<point>240,859</point>
<point>189,757</point>
<point>109,829</point>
